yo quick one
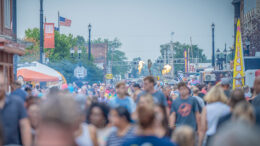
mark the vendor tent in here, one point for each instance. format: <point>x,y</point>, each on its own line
<point>38,72</point>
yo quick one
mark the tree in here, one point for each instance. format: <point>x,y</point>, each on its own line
<point>179,49</point>
<point>60,57</point>
<point>66,68</point>
<point>32,52</point>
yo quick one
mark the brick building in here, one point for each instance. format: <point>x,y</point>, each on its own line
<point>99,52</point>
<point>249,13</point>
<point>8,42</point>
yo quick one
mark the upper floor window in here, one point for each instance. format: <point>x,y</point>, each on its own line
<point>7,13</point>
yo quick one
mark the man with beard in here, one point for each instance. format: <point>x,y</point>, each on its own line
<point>16,126</point>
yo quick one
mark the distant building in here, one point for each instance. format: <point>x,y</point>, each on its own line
<point>249,13</point>
<point>99,52</point>
<point>8,44</point>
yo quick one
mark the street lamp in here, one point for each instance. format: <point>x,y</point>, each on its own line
<point>89,43</point>
<point>246,51</point>
<point>225,54</point>
<point>72,52</point>
<point>41,31</point>
<point>213,45</point>
<point>79,52</point>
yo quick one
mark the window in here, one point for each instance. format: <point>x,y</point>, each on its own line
<point>7,14</point>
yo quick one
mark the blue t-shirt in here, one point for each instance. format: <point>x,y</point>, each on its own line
<point>185,110</point>
<point>19,93</point>
<point>10,116</point>
<point>148,141</point>
<point>158,97</point>
<point>126,102</point>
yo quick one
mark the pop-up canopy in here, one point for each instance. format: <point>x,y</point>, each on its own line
<point>39,73</point>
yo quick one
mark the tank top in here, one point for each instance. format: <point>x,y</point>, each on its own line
<point>214,112</point>
<point>84,139</point>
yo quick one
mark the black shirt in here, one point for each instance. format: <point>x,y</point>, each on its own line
<point>10,116</point>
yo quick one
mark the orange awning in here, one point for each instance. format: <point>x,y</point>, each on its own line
<point>29,75</point>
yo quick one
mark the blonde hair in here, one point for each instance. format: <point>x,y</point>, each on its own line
<point>216,94</point>
<point>184,136</point>
<point>244,112</point>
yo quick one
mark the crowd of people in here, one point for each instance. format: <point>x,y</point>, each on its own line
<point>130,114</point>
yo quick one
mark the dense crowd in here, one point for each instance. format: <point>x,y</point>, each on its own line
<point>147,113</point>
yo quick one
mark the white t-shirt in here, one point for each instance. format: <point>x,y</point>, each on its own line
<point>84,139</point>
<point>214,112</point>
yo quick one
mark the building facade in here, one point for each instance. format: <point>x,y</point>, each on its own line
<point>8,41</point>
<point>99,52</point>
<point>249,13</point>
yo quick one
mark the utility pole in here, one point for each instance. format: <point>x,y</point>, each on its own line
<point>41,31</point>
<point>191,50</point>
<point>213,45</point>
<point>58,21</point>
<point>89,42</point>
<point>172,55</point>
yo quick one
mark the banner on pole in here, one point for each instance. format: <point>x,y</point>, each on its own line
<point>238,72</point>
<point>49,41</point>
<point>185,61</point>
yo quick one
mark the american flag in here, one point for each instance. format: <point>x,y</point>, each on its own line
<point>64,21</point>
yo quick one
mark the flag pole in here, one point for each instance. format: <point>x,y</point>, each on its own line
<point>58,21</point>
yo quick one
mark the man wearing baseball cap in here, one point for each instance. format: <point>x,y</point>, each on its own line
<point>225,84</point>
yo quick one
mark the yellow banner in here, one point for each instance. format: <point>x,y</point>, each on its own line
<point>238,72</point>
<point>109,76</point>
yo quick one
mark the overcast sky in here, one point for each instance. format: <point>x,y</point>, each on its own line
<point>141,25</point>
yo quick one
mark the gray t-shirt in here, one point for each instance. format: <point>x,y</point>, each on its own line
<point>185,110</point>
<point>158,98</point>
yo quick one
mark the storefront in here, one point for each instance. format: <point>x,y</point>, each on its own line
<point>8,49</point>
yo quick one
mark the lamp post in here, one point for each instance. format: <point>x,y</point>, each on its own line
<point>213,45</point>
<point>89,43</point>
<point>218,59</point>
<point>172,55</point>
<point>41,31</point>
<point>225,56</point>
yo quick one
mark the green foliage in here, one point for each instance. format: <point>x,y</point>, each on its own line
<point>66,68</point>
<point>179,49</point>
<point>60,57</point>
<point>63,43</point>
<point>33,34</point>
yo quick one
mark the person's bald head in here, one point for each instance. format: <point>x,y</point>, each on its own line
<point>257,85</point>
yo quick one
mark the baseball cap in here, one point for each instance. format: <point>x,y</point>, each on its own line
<point>225,81</point>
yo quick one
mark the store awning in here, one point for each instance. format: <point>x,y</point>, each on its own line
<point>29,75</point>
<point>36,71</point>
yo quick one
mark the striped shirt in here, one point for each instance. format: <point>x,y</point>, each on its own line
<point>115,140</point>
